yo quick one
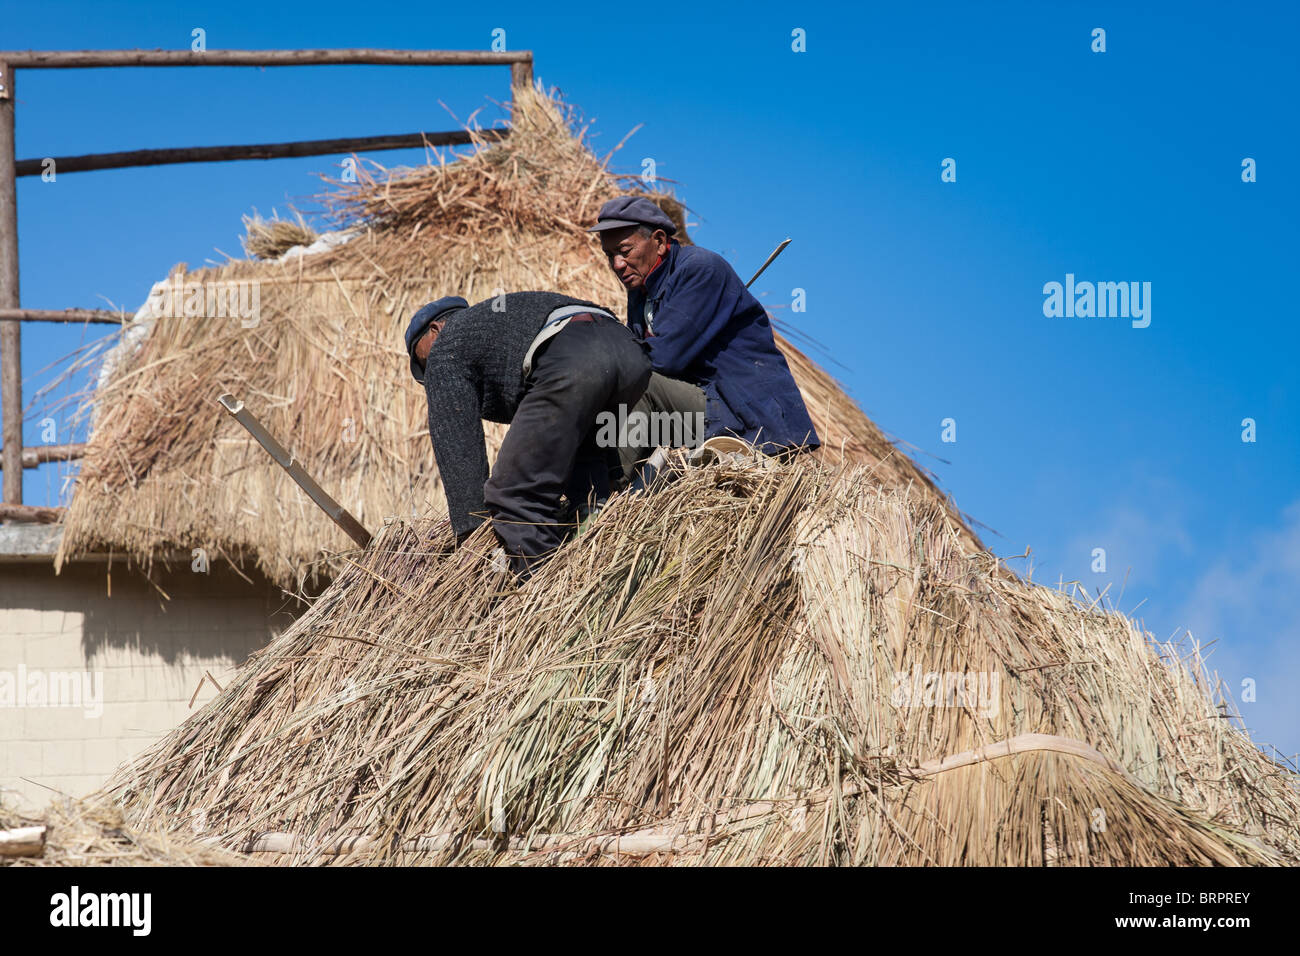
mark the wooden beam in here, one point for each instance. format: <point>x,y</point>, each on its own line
<point>11,346</point>
<point>63,59</point>
<point>32,513</point>
<point>216,154</point>
<point>63,315</point>
<point>40,454</point>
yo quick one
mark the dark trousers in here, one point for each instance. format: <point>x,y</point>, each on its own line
<point>674,411</point>
<point>551,448</point>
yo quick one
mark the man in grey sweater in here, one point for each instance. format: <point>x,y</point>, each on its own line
<point>547,365</point>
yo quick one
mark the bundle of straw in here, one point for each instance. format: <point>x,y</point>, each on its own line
<point>272,238</point>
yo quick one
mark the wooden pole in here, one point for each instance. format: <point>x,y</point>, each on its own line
<point>521,75</point>
<point>11,374</point>
<point>39,454</point>
<point>63,315</point>
<point>62,59</point>
<point>214,154</point>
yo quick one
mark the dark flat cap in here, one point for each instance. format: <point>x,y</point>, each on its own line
<point>422,320</point>
<point>632,211</point>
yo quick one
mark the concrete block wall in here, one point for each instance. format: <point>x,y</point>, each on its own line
<point>143,655</point>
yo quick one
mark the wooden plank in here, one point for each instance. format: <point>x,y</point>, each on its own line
<point>217,154</point>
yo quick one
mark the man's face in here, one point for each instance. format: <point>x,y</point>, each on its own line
<point>631,255</point>
<point>425,341</point>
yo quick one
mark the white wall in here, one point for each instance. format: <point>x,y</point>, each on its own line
<point>146,654</point>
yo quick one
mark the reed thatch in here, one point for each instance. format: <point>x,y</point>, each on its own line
<point>324,366</point>
<point>711,674</point>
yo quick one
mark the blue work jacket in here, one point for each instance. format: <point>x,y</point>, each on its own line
<point>703,326</point>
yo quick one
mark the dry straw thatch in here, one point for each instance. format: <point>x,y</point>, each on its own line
<point>95,833</point>
<point>711,675</point>
<point>324,368</point>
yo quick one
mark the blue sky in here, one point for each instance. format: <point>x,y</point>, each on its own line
<point>1072,433</point>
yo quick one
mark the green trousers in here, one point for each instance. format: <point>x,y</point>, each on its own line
<point>670,413</point>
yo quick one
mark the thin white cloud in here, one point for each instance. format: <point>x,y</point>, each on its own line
<point>1138,544</point>
<point>1249,602</point>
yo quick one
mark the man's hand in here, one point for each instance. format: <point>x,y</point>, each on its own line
<point>493,560</point>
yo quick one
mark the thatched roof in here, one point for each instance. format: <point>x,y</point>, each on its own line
<point>324,368</point>
<point>721,672</point>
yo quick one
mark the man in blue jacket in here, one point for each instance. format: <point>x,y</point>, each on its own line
<point>710,341</point>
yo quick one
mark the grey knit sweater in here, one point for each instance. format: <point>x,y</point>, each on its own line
<point>475,371</point>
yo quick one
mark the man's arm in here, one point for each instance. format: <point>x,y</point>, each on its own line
<point>456,429</point>
<point>701,304</point>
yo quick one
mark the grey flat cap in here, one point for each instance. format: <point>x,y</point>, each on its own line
<point>632,211</point>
